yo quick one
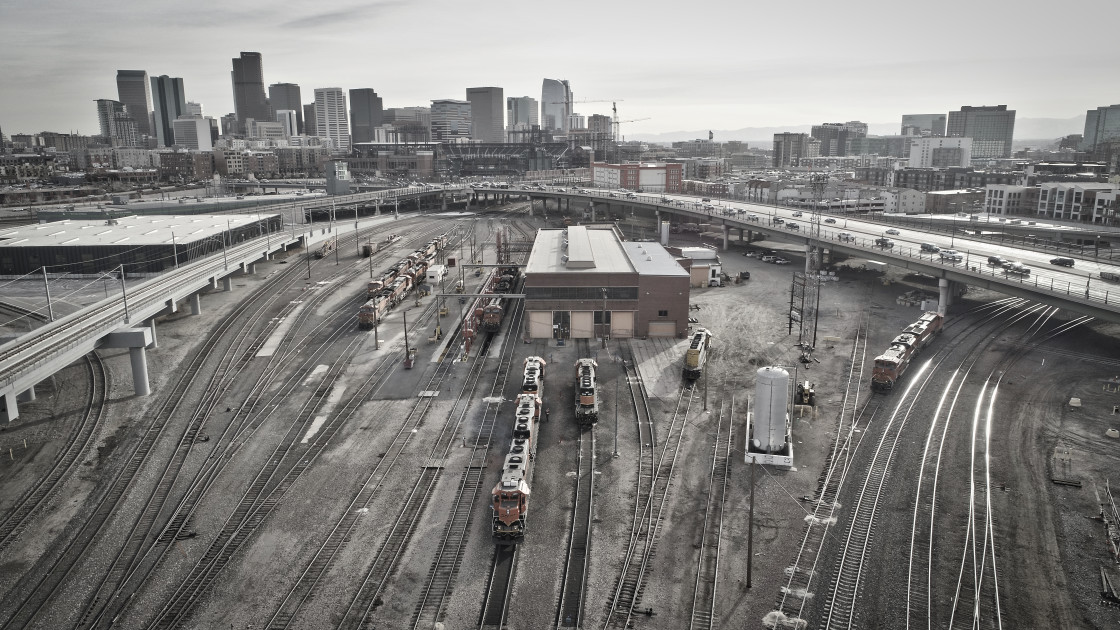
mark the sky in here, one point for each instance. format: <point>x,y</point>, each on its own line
<point>677,65</point>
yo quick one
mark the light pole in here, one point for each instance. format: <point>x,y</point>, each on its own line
<point>604,318</point>
<point>124,294</point>
<point>47,287</point>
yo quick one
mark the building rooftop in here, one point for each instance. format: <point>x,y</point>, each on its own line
<point>597,249</point>
<point>127,231</point>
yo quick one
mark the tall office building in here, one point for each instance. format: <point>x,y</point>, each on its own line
<point>990,127</point>
<point>288,119</point>
<point>522,110</point>
<point>834,138</point>
<point>169,104</point>
<point>487,114</point>
<point>556,105</point>
<point>248,89</point>
<point>366,114</point>
<point>451,120</point>
<point>135,92</point>
<point>1101,125</point>
<point>194,109</point>
<point>283,96</point>
<point>925,125</point>
<point>330,117</point>
<point>106,108</point>
<point>411,124</point>
<point>309,127</point>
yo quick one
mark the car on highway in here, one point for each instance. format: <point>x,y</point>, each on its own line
<point>752,217</point>
<point>797,214</point>
<point>768,258</point>
<point>1017,268</point>
<point>792,226</point>
<point>930,247</point>
<point>885,243</point>
<point>893,232</point>
<point>781,261</point>
<point>612,195</point>
<point>830,220</point>
<point>951,255</point>
<point>997,261</point>
<point>779,220</point>
<point>845,236</point>
<point>1064,262</point>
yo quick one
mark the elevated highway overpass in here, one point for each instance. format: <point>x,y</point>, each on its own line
<point>1080,289</point>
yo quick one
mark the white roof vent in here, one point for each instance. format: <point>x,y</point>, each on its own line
<point>649,257</point>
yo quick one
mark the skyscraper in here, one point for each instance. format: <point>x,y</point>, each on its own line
<point>286,96</point>
<point>169,103</point>
<point>135,92</point>
<point>487,114</point>
<point>522,110</point>
<point>248,89</point>
<point>931,125</point>
<point>106,108</point>
<point>330,117</point>
<point>556,105</point>
<point>193,132</point>
<point>990,127</point>
<point>451,120</point>
<point>194,109</point>
<point>365,114</point>
<point>1101,125</point>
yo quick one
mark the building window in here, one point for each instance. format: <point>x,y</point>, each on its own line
<point>662,313</point>
<point>599,317</point>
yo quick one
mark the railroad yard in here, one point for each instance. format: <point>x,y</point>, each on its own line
<point>288,473</point>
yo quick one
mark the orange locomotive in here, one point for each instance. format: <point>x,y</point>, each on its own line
<point>511,496</point>
<point>587,394</point>
<point>890,365</point>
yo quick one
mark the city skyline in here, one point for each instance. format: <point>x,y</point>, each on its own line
<point>735,78</point>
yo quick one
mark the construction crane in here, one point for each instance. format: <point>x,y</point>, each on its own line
<point>617,122</point>
<point>568,104</point>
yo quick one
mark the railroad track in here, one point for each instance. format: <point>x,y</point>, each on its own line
<point>368,596</point>
<point>49,584</point>
<point>78,442</point>
<point>136,563</point>
<point>574,585</point>
<point>283,469</point>
<point>496,607</point>
<point>707,570</point>
<point>452,545</point>
<point>651,503</point>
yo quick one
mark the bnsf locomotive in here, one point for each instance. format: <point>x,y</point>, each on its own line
<point>503,280</point>
<point>587,393</point>
<point>397,281</point>
<point>510,498</point>
<point>890,365</point>
<point>697,354</point>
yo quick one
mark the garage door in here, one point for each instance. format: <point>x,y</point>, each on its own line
<point>540,324</point>
<point>622,324</point>
<point>663,329</point>
<point>583,324</point>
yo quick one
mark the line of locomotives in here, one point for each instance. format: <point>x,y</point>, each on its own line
<point>510,497</point>
<point>487,311</point>
<point>394,284</point>
<point>890,365</point>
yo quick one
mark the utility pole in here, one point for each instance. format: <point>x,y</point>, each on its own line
<point>124,295</point>
<point>174,250</point>
<point>50,309</point>
<point>309,254</point>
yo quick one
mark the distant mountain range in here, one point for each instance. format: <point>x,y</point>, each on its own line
<point>1026,129</point>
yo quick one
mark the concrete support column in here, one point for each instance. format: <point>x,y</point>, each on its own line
<point>10,410</point>
<point>740,235</point>
<point>28,395</point>
<point>443,201</point>
<point>196,304</point>
<point>251,268</point>
<point>726,235</point>
<point>139,360</point>
<point>808,259</point>
<point>945,297</point>
<point>151,324</point>
<point>227,284</point>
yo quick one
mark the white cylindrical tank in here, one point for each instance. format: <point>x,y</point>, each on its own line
<point>771,393</point>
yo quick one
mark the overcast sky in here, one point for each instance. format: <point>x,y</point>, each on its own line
<point>684,65</point>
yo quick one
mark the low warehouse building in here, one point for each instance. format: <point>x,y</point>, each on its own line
<point>147,244</point>
<point>584,282</point>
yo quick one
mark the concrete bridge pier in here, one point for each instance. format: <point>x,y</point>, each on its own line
<point>396,209</point>
<point>809,253</point>
<point>8,409</point>
<point>196,304</point>
<point>946,295</point>
<point>726,235</point>
<point>28,395</point>
<point>250,268</point>
<point>740,235</point>
<point>227,283</point>
<point>136,340</point>
<point>151,324</point>
<point>443,201</point>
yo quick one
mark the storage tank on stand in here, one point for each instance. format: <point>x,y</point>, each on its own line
<point>768,424</point>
